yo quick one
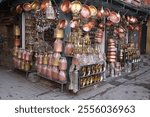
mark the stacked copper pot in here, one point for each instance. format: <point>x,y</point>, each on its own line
<point>16,36</point>
<point>22,59</point>
<point>52,66</point>
<point>99,35</point>
<point>112,51</point>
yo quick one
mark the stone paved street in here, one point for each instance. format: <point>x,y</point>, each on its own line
<point>14,85</point>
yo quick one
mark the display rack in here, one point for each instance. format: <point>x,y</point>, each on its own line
<point>53,80</point>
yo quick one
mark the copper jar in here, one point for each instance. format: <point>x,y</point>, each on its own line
<point>45,59</point>
<point>50,58</point>
<point>23,55</point>
<point>40,59</point>
<point>39,69</point>
<point>49,71</point>
<point>44,70</point>
<point>17,42</point>
<point>56,57</point>
<point>18,63</point>
<point>69,48</point>
<point>27,66</point>
<point>58,33</point>
<point>15,51</point>
<point>62,76</point>
<point>22,65</point>
<point>16,30</point>
<point>27,58</point>
<point>55,73</point>
<point>58,45</point>
<point>19,54</point>
<point>63,64</point>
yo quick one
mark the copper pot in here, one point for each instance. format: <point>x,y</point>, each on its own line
<point>19,9</point>
<point>93,10</point>
<point>65,6</point>
<point>62,24</point>
<point>85,11</point>
<point>111,53</point>
<point>112,60</point>
<point>111,41</point>
<point>27,7</point>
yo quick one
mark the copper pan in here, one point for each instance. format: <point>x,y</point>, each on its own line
<point>19,9</point>
<point>65,6</point>
<point>99,14</point>
<point>27,7</point>
<point>114,17</point>
<point>85,11</point>
<point>106,12</point>
<point>74,24</point>
<point>91,24</point>
<point>101,25</point>
<point>93,10</point>
<point>43,5</point>
<point>86,27</point>
<point>35,5</point>
<point>62,24</point>
<point>109,23</point>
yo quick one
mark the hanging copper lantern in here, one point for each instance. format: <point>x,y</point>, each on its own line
<point>50,13</point>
